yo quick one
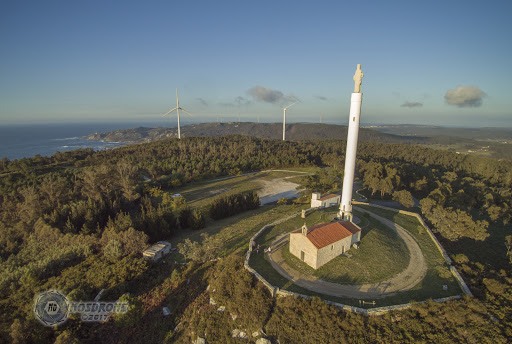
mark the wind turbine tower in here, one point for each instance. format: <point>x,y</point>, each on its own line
<point>178,108</point>
<point>284,119</point>
<point>350,156</point>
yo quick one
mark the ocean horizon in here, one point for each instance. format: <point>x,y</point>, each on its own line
<point>26,141</point>
<point>19,141</point>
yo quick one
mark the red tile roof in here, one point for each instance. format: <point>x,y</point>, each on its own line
<point>329,196</point>
<point>351,227</point>
<point>326,234</point>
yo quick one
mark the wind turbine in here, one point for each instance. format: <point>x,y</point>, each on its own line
<point>178,108</point>
<point>284,118</point>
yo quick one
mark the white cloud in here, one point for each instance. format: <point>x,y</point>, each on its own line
<point>465,96</point>
<point>269,95</point>
<point>412,104</point>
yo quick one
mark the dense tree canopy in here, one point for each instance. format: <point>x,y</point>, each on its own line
<point>71,214</point>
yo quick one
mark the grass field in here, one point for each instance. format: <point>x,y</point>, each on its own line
<point>236,231</point>
<point>438,273</point>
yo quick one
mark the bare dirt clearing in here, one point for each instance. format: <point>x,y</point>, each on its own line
<point>270,185</point>
<point>275,189</point>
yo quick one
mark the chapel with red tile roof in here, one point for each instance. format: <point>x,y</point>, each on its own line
<point>321,243</point>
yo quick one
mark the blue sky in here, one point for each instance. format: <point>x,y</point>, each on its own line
<point>72,61</point>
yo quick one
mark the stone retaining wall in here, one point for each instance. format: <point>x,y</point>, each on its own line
<point>371,311</point>
<point>273,290</point>
<point>462,284</point>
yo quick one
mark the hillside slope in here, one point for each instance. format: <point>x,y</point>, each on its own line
<point>295,131</point>
<point>462,141</point>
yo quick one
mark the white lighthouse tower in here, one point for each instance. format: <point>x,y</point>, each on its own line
<point>350,156</point>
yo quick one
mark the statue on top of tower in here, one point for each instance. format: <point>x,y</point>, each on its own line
<point>357,79</point>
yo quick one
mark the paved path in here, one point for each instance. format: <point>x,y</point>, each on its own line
<point>405,280</point>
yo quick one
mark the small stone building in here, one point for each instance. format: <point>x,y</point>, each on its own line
<point>326,201</point>
<point>157,251</point>
<point>320,244</point>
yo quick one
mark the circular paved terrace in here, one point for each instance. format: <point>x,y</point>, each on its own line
<point>405,280</point>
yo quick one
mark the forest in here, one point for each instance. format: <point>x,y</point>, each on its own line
<point>482,141</point>
<point>78,222</point>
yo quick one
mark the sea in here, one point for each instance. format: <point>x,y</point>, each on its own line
<point>25,141</point>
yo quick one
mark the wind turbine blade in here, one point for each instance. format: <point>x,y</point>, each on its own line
<point>177,99</point>
<point>170,112</point>
<point>188,113</point>
<point>291,105</point>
